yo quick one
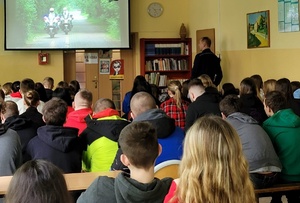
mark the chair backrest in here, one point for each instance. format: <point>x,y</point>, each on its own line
<point>167,169</point>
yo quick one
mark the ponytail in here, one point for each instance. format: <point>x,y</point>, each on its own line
<point>175,87</point>
<point>32,98</point>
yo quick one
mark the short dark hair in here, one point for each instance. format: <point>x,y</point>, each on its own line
<point>230,104</point>
<point>228,88</point>
<point>15,86</point>
<point>276,101</point>
<point>55,112</point>
<point>142,102</point>
<point>9,108</point>
<point>206,40</point>
<point>32,181</point>
<point>87,96</point>
<point>64,94</point>
<point>195,82</point>
<point>102,104</point>
<point>26,85</point>
<point>138,142</point>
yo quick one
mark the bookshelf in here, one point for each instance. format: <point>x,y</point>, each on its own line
<point>165,59</point>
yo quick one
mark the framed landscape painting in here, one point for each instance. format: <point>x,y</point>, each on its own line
<point>258,29</point>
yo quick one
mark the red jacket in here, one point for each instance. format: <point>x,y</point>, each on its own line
<point>16,95</point>
<point>106,113</point>
<point>171,193</point>
<point>75,119</point>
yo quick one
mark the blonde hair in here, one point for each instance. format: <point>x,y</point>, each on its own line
<point>269,86</point>
<point>175,87</point>
<point>7,88</point>
<point>213,168</point>
<point>206,80</point>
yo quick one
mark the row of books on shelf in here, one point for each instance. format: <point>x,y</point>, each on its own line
<point>162,64</point>
<point>157,79</point>
<point>166,49</point>
<point>160,80</point>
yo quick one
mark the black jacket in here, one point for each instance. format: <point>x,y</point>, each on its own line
<point>207,63</point>
<point>205,104</point>
<point>59,145</point>
<point>25,129</point>
<point>33,114</point>
<point>252,106</point>
<point>98,128</point>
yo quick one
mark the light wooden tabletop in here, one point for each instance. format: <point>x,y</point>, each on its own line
<point>75,181</point>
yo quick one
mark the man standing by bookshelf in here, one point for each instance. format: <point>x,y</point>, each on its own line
<point>207,62</point>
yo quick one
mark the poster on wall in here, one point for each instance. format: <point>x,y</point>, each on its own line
<point>117,69</point>
<point>258,29</point>
<point>91,58</point>
<point>104,65</point>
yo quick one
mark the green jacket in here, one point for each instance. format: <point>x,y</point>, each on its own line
<point>102,136</point>
<point>284,130</point>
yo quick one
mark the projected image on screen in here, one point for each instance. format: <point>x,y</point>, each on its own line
<point>66,24</point>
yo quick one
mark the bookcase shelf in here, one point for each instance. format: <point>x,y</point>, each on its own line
<point>165,59</point>
<point>167,71</point>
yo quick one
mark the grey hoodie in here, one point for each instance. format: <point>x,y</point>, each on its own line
<point>257,146</point>
<point>123,189</point>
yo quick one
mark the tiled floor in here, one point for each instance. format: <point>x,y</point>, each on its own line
<point>268,200</point>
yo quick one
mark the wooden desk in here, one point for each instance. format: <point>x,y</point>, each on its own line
<point>75,181</point>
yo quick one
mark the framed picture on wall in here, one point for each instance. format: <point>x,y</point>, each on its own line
<point>258,29</point>
<point>104,64</point>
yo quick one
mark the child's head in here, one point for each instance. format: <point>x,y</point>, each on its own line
<point>206,80</point>
<point>48,83</point>
<point>83,99</point>
<point>32,98</point>
<point>248,87</point>
<point>55,112</point>
<point>141,102</point>
<point>102,104</point>
<point>174,90</point>
<point>228,88</point>
<point>38,181</point>
<point>258,81</point>
<point>284,85</point>
<point>39,88</point>
<point>7,88</point>
<point>64,94</point>
<point>230,104</point>
<point>269,85</point>
<point>213,167</point>
<point>26,85</point>
<point>274,101</point>
<point>15,86</point>
<point>139,144</point>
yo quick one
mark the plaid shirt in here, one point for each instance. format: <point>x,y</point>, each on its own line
<point>174,112</point>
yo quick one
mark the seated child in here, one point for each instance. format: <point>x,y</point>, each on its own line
<point>213,168</point>
<point>38,181</point>
<point>140,147</point>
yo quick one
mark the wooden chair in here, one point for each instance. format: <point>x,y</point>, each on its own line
<point>167,169</point>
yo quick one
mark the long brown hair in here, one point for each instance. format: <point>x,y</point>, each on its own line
<point>38,181</point>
